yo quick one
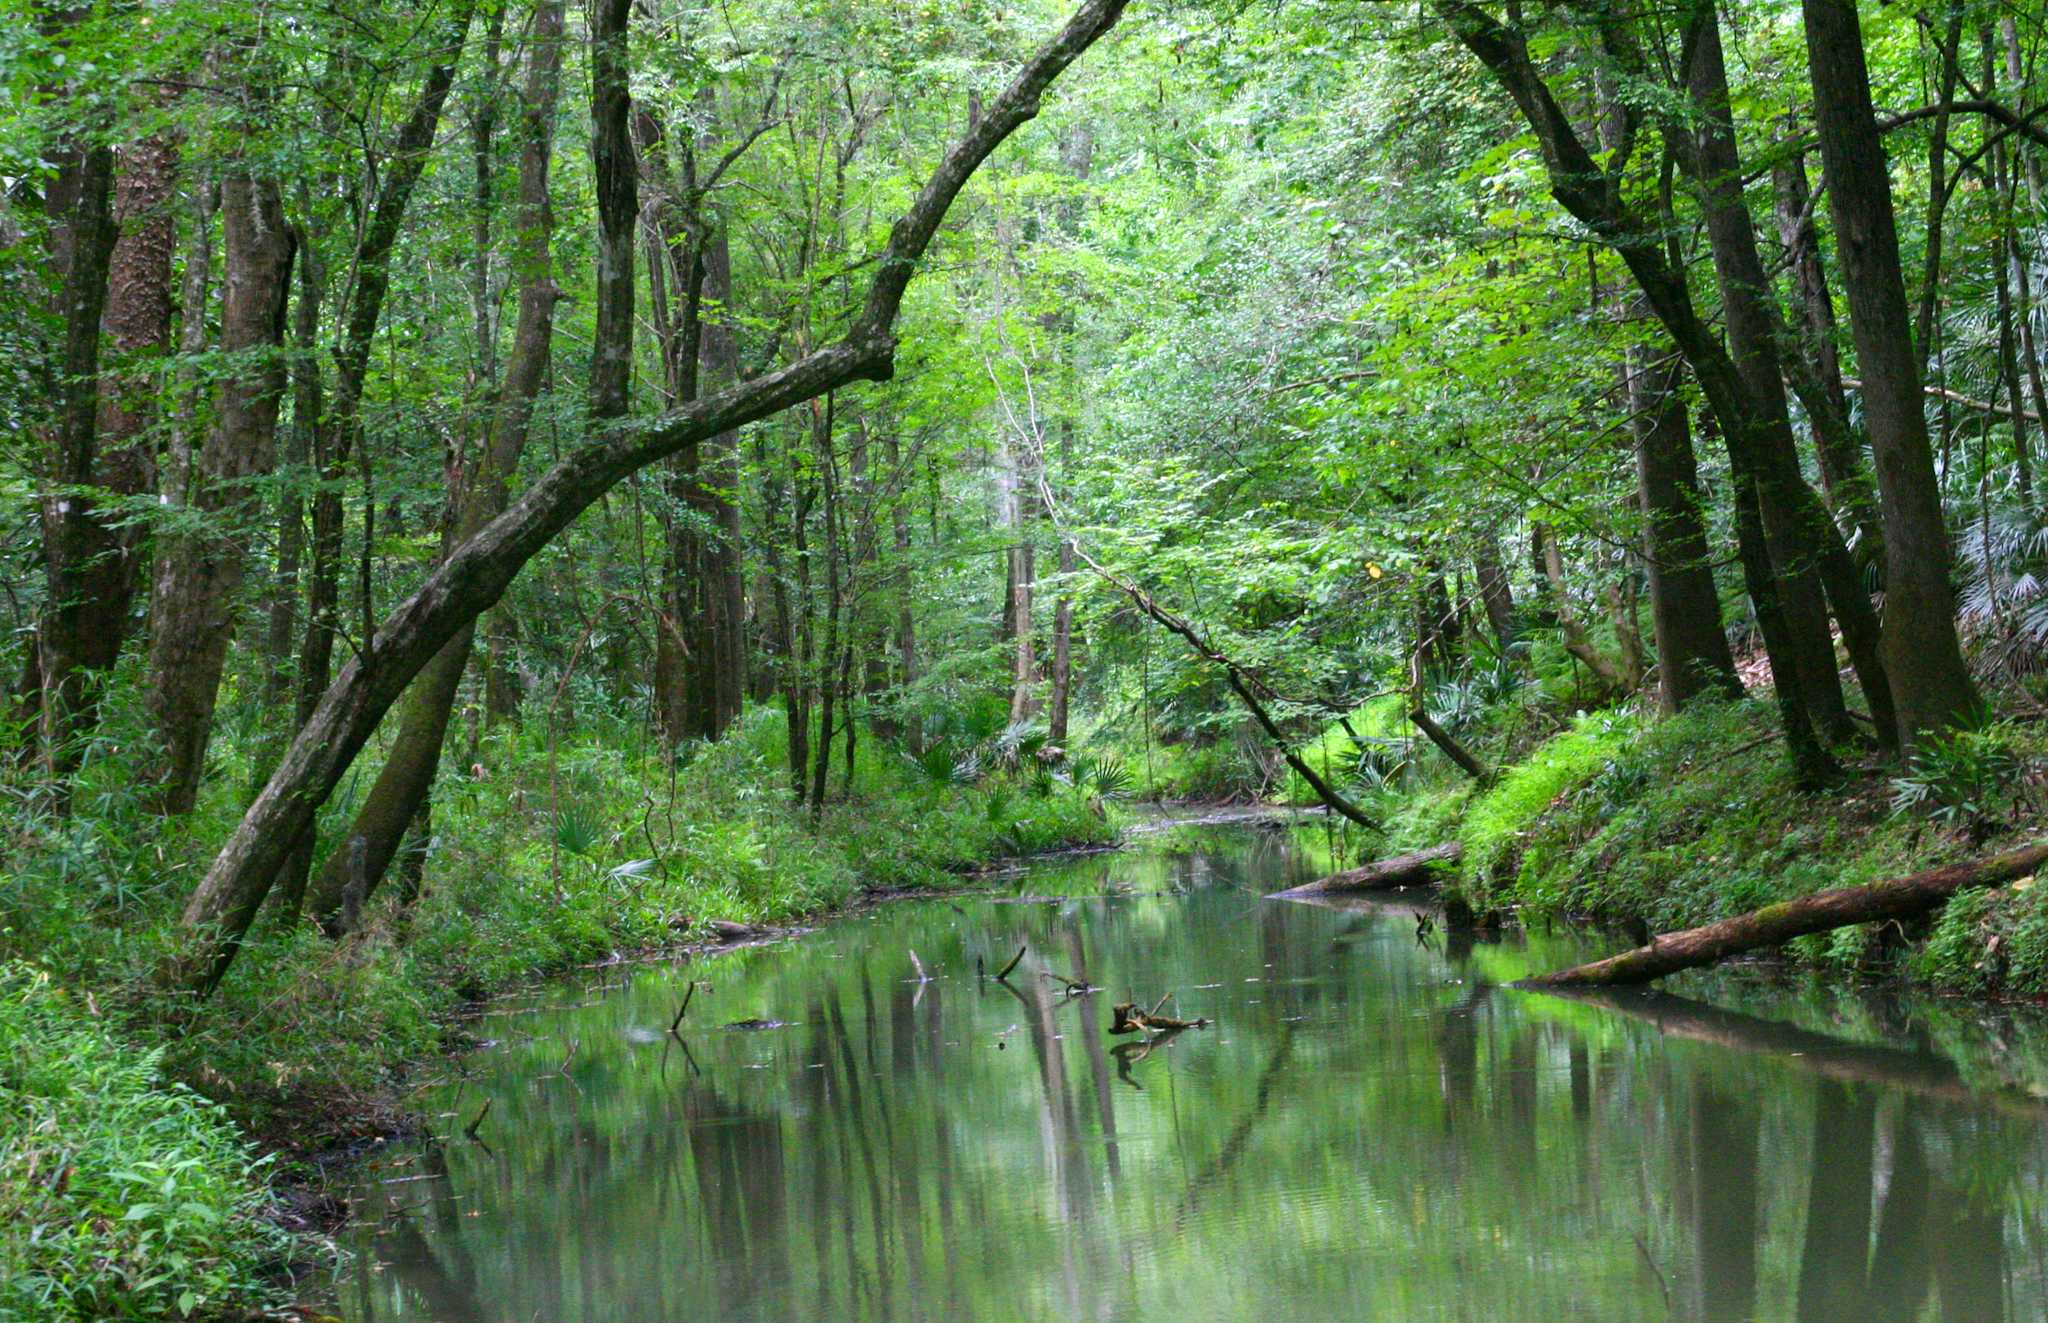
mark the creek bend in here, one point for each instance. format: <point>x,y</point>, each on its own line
<point>1371,1128</point>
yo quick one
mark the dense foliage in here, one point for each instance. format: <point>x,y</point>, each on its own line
<point>505,431</point>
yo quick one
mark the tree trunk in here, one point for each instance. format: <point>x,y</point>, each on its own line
<point>1685,607</point>
<point>1814,367</point>
<point>1790,525</point>
<point>1931,687</point>
<point>1576,641</point>
<point>1414,869</point>
<point>340,429</point>
<point>199,574</point>
<point>402,789</point>
<point>1496,594</point>
<point>474,575</point>
<point>78,551</point>
<point>1774,925</point>
<point>1586,191</point>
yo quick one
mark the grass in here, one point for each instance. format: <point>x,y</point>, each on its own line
<point>1694,818</point>
<point>120,1197</point>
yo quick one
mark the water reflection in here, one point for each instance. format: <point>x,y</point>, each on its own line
<point>1371,1129</point>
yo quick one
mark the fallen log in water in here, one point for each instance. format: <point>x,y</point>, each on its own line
<point>1773,925</point>
<point>1400,871</point>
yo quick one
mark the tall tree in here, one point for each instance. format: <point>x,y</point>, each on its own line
<point>200,566</point>
<point>1932,689</point>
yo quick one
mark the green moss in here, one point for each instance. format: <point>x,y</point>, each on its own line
<point>1496,826</point>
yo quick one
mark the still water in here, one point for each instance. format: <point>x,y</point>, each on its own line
<point>1372,1128</point>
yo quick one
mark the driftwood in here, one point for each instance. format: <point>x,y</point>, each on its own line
<point>1400,871</point>
<point>1129,1018</point>
<point>1773,925</point>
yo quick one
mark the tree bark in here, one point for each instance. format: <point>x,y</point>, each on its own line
<point>78,551</point>
<point>1496,594</point>
<point>1931,686</point>
<point>1794,523</point>
<point>474,575</point>
<point>401,790</point>
<point>1813,364</point>
<point>199,573</point>
<point>1685,607</point>
<point>1774,925</point>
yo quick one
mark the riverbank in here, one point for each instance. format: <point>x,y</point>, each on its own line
<point>550,854</point>
<point>1662,825</point>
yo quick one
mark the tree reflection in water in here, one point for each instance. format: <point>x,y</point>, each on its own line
<point>1372,1128</point>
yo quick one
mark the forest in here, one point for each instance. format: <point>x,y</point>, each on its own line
<point>489,487</point>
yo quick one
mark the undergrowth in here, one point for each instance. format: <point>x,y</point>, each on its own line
<point>547,851</point>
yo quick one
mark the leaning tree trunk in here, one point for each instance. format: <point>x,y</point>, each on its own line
<point>474,575</point>
<point>1793,522</point>
<point>1931,686</point>
<point>353,872</point>
<point>199,573</point>
<point>1586,191</point>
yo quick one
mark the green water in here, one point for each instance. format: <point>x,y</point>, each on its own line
<point>1369,1130</point>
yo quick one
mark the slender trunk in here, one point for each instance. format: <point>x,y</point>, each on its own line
<point>291,514</point>
<point>828,656</point>
<point>1814,364</point>
<point>906,623</point>
<point>1021,572</point>
<point>401,791</point>
<point>1685,608</point>
<point>340,429</point>
<point>1931,686</point>
<point>77,549</point>
<point>199,573</point>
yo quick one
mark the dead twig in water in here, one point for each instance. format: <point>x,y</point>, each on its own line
<point>685,1008</point>
<point>482,1112</point>
<point>563,1069</point>
<point>1075,987</point>
<point>1127,1018</point>
<point>1012,965</point>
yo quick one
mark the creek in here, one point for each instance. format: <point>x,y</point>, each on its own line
<point>855,1125</point>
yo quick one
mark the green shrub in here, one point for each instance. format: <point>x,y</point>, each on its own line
<point>120,1197</point>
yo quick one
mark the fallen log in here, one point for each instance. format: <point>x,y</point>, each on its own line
<point>1773,925</point>
<point>1400,871</point>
